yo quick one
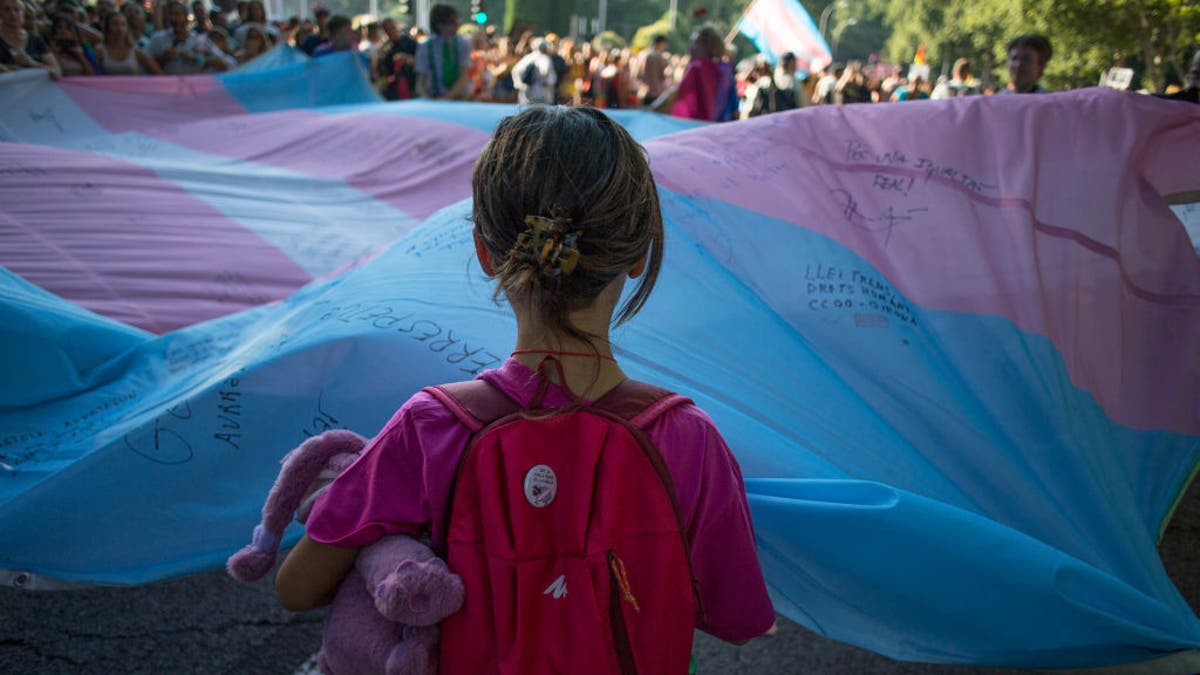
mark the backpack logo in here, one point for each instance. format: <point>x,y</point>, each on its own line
<point>541,485</point>
<point>557,589</point>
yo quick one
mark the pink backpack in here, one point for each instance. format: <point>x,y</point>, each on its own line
<point>564,526</point>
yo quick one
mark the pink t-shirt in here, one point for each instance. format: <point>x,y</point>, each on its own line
<point>696,97</point>
<point>403,479</point>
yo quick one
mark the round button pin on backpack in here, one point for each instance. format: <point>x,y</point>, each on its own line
<point>541,485</point>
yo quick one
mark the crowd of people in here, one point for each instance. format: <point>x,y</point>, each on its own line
<point>707,82</point>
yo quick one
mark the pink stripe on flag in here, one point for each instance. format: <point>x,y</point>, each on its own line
<point>120,241</point>
<point>416,165</point>
<point>139,103</point>
<point>1038,209</point>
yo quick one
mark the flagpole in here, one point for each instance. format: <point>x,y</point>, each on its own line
<point>733,33</point>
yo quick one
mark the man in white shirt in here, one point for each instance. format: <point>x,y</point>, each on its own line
<point>179,51</point>
<point>534,76</point>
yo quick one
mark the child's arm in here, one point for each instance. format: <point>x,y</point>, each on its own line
<point>309,576</point>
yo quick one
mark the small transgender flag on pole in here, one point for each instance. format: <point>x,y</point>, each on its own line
<point>780,26</point>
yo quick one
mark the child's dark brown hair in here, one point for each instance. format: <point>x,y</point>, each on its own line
<point>580,169</point>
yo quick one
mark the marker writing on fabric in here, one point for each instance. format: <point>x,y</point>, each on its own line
<point>383,316</point>
<point>857,151</point>
<point>165,445</point>
<point>229,413</point>
<point>47,115</point>
<point>890,217</point>
<point>323,421</point>
<point>893,183</point>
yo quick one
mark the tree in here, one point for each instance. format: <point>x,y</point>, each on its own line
<point>1155,37</point>
<point>1089,37</point>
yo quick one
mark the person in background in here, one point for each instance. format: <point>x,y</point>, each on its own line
<point>219,38</point>
<point>503,90</point>
<point>852,86</point>
<point>775,91</point>
<point>534,76</point>
<point>179,51</point>
<point>320,33</point>
<point>287,30</point>
<point>961,83</point>
<point>21,48</point>
<point>394,68</point>
<point>759,95</point>
<point>200,22</point>
<point>558,50</point>
<point>103,9</point>
<point>256,45</point>
<point>650,71</point>
<point>239,16</point>
<point>343,37</point>
<point>699,94</point>
<point>256,15</point>
<point>75,57</point>
<point>610,87</point>
<point>118,55</point>
<point>372,40</point>
<point>443,59</point>
<point>217,19</point>
<point>304,30</point>
<point>827,80</point>
<point>1027,58</point>
<point>913,90</point>
<point>139,29</point>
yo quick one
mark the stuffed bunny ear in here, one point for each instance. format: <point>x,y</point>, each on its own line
<point>301,467</point>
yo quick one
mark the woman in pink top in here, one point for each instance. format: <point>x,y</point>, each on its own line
<point>701,88</point>
<point>565,210</point>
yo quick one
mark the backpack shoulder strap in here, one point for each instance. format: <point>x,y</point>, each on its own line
<point>475,403</point>
<point>638,403</point>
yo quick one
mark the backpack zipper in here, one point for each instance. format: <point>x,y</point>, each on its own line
<point>620,592</point>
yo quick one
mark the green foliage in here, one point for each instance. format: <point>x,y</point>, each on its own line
<point>1155,37</point>
<point>677,39</point>
<point>626,16</point>
<point>608,40</point>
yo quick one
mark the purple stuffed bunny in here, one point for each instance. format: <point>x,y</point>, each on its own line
<point>385,613</point>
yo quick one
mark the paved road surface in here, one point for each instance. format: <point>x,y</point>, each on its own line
<point>209,624</point>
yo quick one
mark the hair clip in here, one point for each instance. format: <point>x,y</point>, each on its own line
<point>556,249</point>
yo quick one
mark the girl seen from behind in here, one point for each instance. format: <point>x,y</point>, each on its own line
<point>565,211</point>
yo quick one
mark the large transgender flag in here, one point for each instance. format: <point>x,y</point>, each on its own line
<point>953,344</point>
<point>780,26</point>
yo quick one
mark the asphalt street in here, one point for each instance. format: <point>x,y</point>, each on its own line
<point>209,624</point>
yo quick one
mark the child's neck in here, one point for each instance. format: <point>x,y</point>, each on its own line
<point>590,370</point>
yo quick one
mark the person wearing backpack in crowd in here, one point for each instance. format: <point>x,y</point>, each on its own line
<point>775,91</point>
<point>595,520</point>
<point>444,60</point>
<point>535,77</point>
